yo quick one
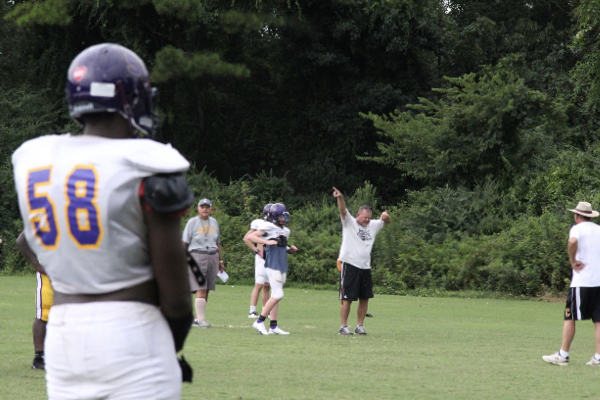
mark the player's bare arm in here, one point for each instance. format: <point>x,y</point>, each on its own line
<point>255,237</point>
<point>255,247</point>
<point>572,248</point>
<point>341,203</point>
<point>169,264</point>
<point>29,254</point>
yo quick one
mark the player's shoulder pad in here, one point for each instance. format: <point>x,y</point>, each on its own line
<point>167,193</point>
<point>155,157</point>
<point>35,145</point>
<point>257,224</point>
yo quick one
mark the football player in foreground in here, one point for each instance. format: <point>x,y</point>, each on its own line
<point>275,238</point>
<point>102,213</point>
<point>261,282</point>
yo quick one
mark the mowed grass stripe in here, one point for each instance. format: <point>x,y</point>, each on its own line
<point>416,348</point>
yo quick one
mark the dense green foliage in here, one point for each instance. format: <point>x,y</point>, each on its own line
<point>473,122</point>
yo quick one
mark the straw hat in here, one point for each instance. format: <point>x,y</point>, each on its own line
<point>584,208</point>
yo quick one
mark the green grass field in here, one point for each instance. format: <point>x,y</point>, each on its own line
<point>416,348</point>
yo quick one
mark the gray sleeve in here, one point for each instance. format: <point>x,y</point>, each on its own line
<point>218,232</point>
<point>187,236</point>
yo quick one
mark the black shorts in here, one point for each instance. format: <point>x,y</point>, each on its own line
<point>583,303</point>
<point>355,283</point>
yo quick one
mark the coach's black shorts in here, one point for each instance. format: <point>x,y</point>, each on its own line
<point>355,283</point>
<point>583,303</point>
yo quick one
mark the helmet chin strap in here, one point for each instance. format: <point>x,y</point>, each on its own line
<point>128,111</point>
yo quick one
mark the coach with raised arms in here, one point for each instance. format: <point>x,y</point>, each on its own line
<point>356,283</point>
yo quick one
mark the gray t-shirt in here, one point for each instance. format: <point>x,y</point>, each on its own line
<point>202,234</point>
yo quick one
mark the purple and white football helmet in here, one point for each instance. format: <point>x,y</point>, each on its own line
<point>266,211</point>
<point>275,211</point>
<point>111,78</point>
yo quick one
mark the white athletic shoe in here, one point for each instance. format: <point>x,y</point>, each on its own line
<point>277,331</point>
<point>593,361</point>
<point>260,327</point>
<point>345,331</point>
<point>203,324</point>
<point>253,314</point>
<point>195,323</point>
<point>556,359</point>
<point>360,330</point>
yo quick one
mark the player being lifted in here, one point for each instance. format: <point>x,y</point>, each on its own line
<point>274,236</point>
<point>260,273</point>
<point>102,213</point>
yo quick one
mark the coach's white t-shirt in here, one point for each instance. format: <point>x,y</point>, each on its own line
<point>357,241</point>
<point>588,252</point>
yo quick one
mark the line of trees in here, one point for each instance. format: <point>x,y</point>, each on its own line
<point>473,121</point>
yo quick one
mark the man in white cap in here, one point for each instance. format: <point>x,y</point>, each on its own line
<point>202,238</point>
<point>583,300</point>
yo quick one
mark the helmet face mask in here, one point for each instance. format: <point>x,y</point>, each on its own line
<point>111,78</point>
<point>279,215</point>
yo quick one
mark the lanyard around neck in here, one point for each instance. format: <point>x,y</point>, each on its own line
<point>205,227</point>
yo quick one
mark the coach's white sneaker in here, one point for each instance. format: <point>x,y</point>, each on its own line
<point>593,361</point>
<point>203,324</point>
<point>556,359</point>
<point>260,327</point>
<point>195,323</point>
<point>277,331</point>
<point>360,330</point>
<point>344,330</point>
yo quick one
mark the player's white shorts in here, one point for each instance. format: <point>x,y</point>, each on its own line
<point>260,272</point>
<point>112,350</point>
<point>276,280</point>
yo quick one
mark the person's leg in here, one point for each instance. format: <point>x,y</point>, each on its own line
<point>361,310</point>
<point>345,311</point>
<point>200,304</point>
<point>597,335</point>
<point>568,334</point>
<point>254,296</point>
<point>277,280</point>
<point>266,294</point>
<point>268,308</point>
<point>44,298</point>
<point>39,334</point>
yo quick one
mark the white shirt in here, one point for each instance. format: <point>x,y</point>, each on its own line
<point>357,241</point>
<point>258,224</point>
<point>588,253</point>
<point>78,197</point>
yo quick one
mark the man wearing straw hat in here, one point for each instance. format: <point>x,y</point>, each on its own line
<point>583,300</point>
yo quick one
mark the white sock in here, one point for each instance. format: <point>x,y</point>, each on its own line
<point>200,308</point>
<point>252,309</point>
<point>563,353</point>
<point>597,356</point>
